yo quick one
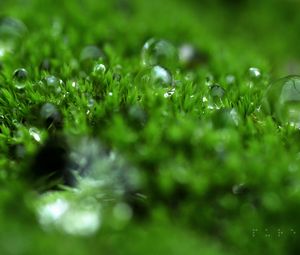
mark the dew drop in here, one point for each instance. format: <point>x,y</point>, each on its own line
<point>170,93</point>
<point>20,76</point>
<point>225,117</point>
<point>254,73</point>
<point>282,100</point>
<point>99,69</point>
<point>190,57</point>
<point>11,33</point>
<point>91,102</point>
<point>91,52</point>
<point>51,116</point>
<point>230,79</point>
<point>161,75</point>
<point>155,75</point>
<point>53,83</point>
<point>239,189</point>
<point>216,91</point>
<point>159,52</point>
<point>35,133</point>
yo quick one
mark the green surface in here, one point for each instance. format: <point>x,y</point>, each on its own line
<point>214,173</point>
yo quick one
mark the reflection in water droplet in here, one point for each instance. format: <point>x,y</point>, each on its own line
<point>159,52</point>
<point>191,57</point>
<point>282,100</point>
<point>20,75</point>
<point>216,91</point>
<point>169,93</point>
<point>51,116</point>
<point>53,83</point>
<point>91,102</point>
<point>238,189</point>
<point>254,72</point>
<point>161,75</point>
<point>154,75</point>
<point>35,133</point>
<point>225,117</point>
<point>99,69</point>
<point>91,52</point>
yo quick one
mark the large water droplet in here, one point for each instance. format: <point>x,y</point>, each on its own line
<point>254,73</point>
<point>216,91</point>
<point>51,116</point>
<point>161,75</point>
<point>191,57</point>
<point>11,32</point>
<point>159,52</point>
<point>20,75</point>
<point>154,75</point>
<point>225,117</point>
<point>282,100</point>
<point>99,69</point>
<point>35,133</point>
<point>53,83</point>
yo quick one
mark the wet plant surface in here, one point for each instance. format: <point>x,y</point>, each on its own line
<point>149,127</point>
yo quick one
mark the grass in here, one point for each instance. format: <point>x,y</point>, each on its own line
<point>187,173</point>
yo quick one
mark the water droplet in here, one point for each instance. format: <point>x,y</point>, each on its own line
<point>282,100</point>
<point>51,116</point>
<point>161,75</point>
<point>216,91</point>
<point>35,133</point>
<point>91,102</point>
<point>137,115</point>
<point>169,93</point>
<point>20,76</point>
<point>53,83</point>
<point>209,80</point>
<point>91,52</point>
<point>159,52</point>
<point>154,75</point>
<point>11,32</point>
<point>81,221</point>
<point>99,69</point>
<point>230,79</point>
<point>239,189</point>
<point>225,117</point>
<point>88,56</point>
<point>190,57</point>
<point>79,218</point>
<point>254,73</point>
